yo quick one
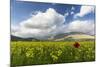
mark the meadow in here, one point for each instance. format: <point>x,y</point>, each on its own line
<point>36,53</point>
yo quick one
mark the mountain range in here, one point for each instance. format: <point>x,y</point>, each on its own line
<point>60,37</point>
<point>15,38</point>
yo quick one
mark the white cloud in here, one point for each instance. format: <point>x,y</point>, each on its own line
<point>72,13</point>
<point>86,26</point>
<point>66,14</point>
<point>49,23</point>
<point>40,25</point>
<point>85,10</point>
<point>73,8</point>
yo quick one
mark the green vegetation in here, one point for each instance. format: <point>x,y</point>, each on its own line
<point>33,53</point>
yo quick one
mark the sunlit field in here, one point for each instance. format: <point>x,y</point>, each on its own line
<point>33,53</point>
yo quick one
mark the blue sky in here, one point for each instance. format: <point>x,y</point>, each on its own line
<point>21,11</point>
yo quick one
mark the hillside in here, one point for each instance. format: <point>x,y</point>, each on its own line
<point>60,37</point>
<point>15,38</point>
<point>76,37</point>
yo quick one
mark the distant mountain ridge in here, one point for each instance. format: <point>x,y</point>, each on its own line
<point>72,36</point>
<point>60,37</point>
<point>76,37</point>
<point>15,38</point>
<point>66,34</point>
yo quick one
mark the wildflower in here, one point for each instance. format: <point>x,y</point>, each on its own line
<point>76,45</point>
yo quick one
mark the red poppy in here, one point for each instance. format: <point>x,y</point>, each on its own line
<point>76,45</point>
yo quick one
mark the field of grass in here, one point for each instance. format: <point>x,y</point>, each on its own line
<point>34,53</point>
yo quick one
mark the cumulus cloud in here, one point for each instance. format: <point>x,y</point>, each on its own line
<point>85,10</point>
<point>86,26</point>
<point>50,23</point>
<point>40,25</point>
